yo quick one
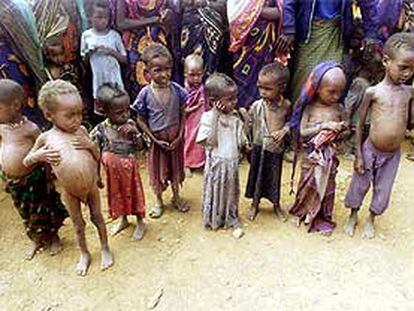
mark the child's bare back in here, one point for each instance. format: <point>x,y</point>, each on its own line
<point>389,106</point>
<point>15,144</point>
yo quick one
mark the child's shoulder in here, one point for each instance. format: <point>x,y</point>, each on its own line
<point>88,33</point>
<point>178,87</point>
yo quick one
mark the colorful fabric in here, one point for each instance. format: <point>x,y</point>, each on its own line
<point>380,169</point>
<point>123,181</point>
<point>202,30</point>
<point>252,42</point>
<point>18,25</point>
<point>194,154</point>
<point>136,41</point>
<point>325,44</point>
<point>38,204</point>
<point>264,175</point>
<point>316,190</point>
<point>165,166</point>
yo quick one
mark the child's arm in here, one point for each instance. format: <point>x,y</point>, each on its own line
<point>359,165</point>
<point>142,123</point>
<point>124,23</point>
<point>83,142</point>
<point>411,111</point>
<point>40,152</point>
<point>180,136</point>
<point>111,52</point>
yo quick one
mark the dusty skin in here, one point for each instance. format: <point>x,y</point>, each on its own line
<point>274,266</point>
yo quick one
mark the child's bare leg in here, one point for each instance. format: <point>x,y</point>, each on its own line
<point>350,225</point>
<point>36,245</point>
<point>94,203</point>
<point>122,225</point>
<point>369,228</point>
<point>253,211</point>
<point>188,173</point>
<point>73,205</point>
<point>177,201</point>
<point>139,230</point>
<point>55,245</point>
<point>157,210</point>
<point>280,214</point>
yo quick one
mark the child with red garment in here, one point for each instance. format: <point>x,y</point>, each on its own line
<point>196,105</point>
<point>160,108</point>
<point>119,142</point>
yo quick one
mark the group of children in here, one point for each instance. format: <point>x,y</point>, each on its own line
<point>192,127</point>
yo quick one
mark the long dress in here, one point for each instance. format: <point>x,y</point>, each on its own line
<point>221,172</point>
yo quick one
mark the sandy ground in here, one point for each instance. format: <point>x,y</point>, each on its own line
<point>274,266</point>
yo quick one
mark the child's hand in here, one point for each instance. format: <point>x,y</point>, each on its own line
<point>48,155</point>
<point>278,136</point>
<point>333,126</point>
<point>163,144</point>
<point>82,142</point>
<point>220,107</point>
<point>359,165</point>
<point>128,130</point>
<point>175,143</point>
<point>104,50</point>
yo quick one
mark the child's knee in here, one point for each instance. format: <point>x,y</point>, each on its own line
<point>96,218</point>
<point>79,225</point>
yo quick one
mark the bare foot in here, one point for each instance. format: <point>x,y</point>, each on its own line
<point>107,260</point>
<point>280,214</point>
<point>139,231</point>
<point>180,204</point>
<point>83,264</point>
<point>253,211</point>
<point>369,230</point>
<point>326,233</point>
<point>122,225</point>
<point>188,173</point>
<point>156,211</point>
<point>238,233</point>
<point>350,225</point>
<point>55,245</point>
<point>34,248</point>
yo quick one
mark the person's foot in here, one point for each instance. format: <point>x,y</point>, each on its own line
<point>120,226</point>
<point>34,248</point>
<point>55,245</point>
<point>350,225</point>
<point>180,204</point>
<point>369,230</point>
<point>253,211</point>
<point>107,260</point>
<point>83,264</point>
<point>188,173</point>
<point>139,231</point>
<point>238,233</point>
<point>156,211</point>
<point>280,214</point>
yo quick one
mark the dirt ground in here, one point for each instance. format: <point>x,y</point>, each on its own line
<point>275,266</point>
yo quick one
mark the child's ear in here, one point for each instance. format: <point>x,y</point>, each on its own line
<point>48,115</point>
<point>385,60</point>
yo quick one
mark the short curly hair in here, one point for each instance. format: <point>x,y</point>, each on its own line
<point>276,71</point>
<point>217,84</point>
<point>50,90</point>
<point>107,93</point>
<point>155,50</point>
<point>399,41</point>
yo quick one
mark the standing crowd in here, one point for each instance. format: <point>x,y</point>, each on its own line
<point>88,85</point>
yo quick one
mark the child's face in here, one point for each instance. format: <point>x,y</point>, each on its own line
<point>270,88</point>
<point>118,112</point>
<point>55,53</point>
<point>68,113</point>
<point>160,69</point>
<point>229,100</point>
<point>400,67</point>
<point>9,112</point>
<point>332,86</point>
<point>100,19</point>
<point>194,74</point>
